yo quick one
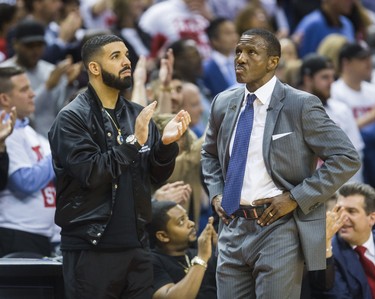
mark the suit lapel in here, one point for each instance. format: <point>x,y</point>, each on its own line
<point>276,105</point>
<point>348,257</point>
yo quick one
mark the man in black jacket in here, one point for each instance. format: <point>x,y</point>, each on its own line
<point>106,155</point>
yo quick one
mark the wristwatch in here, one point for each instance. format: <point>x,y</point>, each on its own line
<point>131,139</point>
<point>198,261</point>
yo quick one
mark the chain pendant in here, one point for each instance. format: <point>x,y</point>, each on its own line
<point>120,139</point>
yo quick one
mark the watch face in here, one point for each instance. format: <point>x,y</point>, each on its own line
<point>130,139</point>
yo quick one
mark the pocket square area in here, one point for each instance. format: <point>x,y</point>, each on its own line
<point>277,136</point>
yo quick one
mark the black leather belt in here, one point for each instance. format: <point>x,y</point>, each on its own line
<point>250,212</point>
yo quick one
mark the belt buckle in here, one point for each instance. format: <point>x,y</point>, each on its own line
<point>250,213</point>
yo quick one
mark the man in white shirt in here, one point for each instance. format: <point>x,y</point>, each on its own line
<point>27,204</point>
<point>354,89</point>
<point>317,76</point>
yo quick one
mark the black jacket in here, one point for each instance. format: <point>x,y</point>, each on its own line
<point>88,165</point>
<point>4,166</point>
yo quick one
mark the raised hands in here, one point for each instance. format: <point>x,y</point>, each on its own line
<point>6,126</point>
<point>334,221</point>
<point>176,127</point>
<point>60,69</point>
<point>166,69</point>
<point>142,121</point>
<point>172,131</point>
<point>139,82</point>
<point>207,238</point>
<point>178,192</point>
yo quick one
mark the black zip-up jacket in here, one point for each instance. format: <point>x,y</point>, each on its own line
<point>88,165</point>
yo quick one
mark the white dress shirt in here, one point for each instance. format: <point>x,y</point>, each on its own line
<point>370,252</point>
<point>257,183</point>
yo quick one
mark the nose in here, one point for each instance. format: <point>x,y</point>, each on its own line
<point>191,223</point>
<point>31,93</point>
<point>345,215</point>
<point>240,58</point>
<point>126,61</point>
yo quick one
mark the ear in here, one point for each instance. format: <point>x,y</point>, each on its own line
<point>372,218</point>
<point>5,101</point>
<point>273,62</point>
<point>94,68</point>
<point>162,236</point>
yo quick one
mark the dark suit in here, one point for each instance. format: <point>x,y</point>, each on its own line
<point>350,278</point>
<point>290,160</point>
<point>213,78</point>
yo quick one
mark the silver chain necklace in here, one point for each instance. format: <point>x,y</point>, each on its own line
<point>119,138</point>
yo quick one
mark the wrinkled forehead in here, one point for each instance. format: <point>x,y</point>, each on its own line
<point>356,201</point>
<point>252,40</point>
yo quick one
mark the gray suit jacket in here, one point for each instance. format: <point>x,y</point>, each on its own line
<point>290,160</point>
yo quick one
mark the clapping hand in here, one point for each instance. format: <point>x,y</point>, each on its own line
<point>6,127</point>
<point>176,127</point>
<point>142,121</point>
<point>166,68</point>
<point>140,71</point>
<point>207,238</point>
<point>178,192</point>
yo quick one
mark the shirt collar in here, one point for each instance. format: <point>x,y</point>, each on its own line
<point>21,123</point>
<point>264,92</point>
<point>369,244</point>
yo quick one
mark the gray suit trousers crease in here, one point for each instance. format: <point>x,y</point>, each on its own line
<point>259,262</point>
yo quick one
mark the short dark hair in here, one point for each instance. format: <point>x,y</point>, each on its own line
<point>313,63</point>
<point>353,50</point>
<point>365,190</point>
<point>213,28</point>
<point>95,44</point>
<point>273,44</point>
<point>5,74</point>
<point>179,47</point>
<point>159,220</point>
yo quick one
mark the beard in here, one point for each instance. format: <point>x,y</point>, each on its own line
<point>118,83</point>
<point>321,95</point>
<point>26,63</point>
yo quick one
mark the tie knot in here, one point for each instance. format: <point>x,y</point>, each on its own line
<point>360,249</point>
<point>250,99</point>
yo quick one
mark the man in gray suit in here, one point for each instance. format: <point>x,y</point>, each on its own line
<point>279,218</point>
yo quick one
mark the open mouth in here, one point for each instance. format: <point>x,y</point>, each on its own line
<point>193,233</point>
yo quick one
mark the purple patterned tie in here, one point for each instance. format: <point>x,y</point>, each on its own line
<point>237,161</point>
